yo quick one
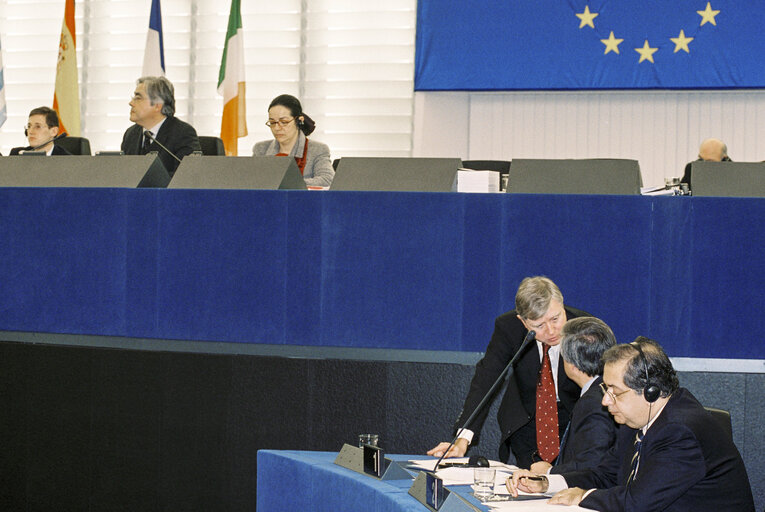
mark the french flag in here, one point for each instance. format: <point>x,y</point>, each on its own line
<point>154,57</point>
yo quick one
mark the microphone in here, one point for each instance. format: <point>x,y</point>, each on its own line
<point>53,139</point>
<point>154,139</point>
<point>526,341</point>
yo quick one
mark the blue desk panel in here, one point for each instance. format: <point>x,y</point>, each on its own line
<point>384,270</point>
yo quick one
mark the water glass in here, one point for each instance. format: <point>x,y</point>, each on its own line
<point>483,478</point>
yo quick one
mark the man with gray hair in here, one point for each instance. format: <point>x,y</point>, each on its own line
<point>152,109</point>
<point>592,430</point>
<point>539,396</point>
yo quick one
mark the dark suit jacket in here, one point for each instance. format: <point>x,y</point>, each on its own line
<point>518,407</point>
<point>177,136</point>
<point>58,151</point>
<point>687,462</point>
<point>591,433</point>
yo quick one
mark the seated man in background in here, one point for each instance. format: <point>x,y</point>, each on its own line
<point>670,453</point>
<point>592,430</point>
<point>711,150</point>
<point>152,109</point>
<point>41,130</point>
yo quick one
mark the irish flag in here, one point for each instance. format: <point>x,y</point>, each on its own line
<point>66,96</point>
<point>231,83</point>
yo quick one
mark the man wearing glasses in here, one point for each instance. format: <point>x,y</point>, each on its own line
<point>156,128</point>
<point>670,454</point>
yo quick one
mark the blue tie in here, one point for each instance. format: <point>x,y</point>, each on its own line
<point>563,440</point>
<point>636,458</point>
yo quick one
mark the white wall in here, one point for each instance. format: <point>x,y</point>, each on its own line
<point>660,129</point>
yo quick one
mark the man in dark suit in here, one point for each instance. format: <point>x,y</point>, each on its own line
<point>592,430</point>
<point>538,307</point>
<point>152,109</point>
<point>670,454</point>
<point>42,127</point>
<point>711,150</point>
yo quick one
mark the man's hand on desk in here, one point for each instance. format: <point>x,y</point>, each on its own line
<point>526,481</point>
<point>570,496</point>
<point>458,450</point>
<point>541,467</point>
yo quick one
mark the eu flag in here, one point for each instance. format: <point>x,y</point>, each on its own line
<point>589,44</point>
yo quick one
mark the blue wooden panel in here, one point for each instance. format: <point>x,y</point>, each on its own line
<point>392,270</point>
<point>377,269</point>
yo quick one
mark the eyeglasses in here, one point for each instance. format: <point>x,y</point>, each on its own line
<point>280,122</point>
<point>31,127</point>
<point>605,390</point>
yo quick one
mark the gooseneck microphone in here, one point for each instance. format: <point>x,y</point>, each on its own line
<point>52,139</point>
<point>154,139</point>
<point>526,341</point>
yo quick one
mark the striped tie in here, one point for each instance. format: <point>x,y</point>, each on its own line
<point>636,458</point>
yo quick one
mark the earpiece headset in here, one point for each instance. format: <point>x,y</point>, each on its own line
<point>651,392</point>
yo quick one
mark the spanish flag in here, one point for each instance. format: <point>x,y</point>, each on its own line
<point>66,97</point>
<point>231,83</point>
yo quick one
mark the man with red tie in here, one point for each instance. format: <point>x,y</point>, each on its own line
<point>539,397</point>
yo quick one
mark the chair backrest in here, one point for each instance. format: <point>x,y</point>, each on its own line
<point>75,145</point>
<point>722,418</point>
<point>212,146</point>
<point>501,166</point>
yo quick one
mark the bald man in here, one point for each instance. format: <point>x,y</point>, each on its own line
<point>711,150</point>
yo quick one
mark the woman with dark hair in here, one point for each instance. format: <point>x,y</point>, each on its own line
<point>290,126</point>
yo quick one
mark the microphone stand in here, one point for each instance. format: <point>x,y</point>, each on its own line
<point>528,339</point>
<point>154,139</point>
<point>54,139</point>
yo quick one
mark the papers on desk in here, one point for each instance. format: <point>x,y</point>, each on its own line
<point>469,180</point>
<point>463,475</point>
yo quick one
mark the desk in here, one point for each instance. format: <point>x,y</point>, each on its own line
<point>301,480</point>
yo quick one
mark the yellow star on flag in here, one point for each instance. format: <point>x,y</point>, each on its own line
<point>646,52</point>
<point>707,15</point>
<point>612,43</point>
<point>587,17</point>
<point>681,42</point>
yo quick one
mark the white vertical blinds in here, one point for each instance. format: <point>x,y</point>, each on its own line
<point>353,62</point>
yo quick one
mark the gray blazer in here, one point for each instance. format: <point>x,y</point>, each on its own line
<point>318,166</point>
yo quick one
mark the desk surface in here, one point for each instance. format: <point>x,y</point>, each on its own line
<point>303,480</point>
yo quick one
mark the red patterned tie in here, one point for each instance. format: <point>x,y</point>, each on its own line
<point>548,442</point>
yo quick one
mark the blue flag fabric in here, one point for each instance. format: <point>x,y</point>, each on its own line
<point>154,55</point>
<point>3,108</point>
<point>595,44</point>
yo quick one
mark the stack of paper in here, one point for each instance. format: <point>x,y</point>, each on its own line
<point>469,180</point>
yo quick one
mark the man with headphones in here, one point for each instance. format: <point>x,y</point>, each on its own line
<point>41,130</point>
<point>670,454</point>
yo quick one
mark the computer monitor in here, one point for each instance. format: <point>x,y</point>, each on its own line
<point>587,176</point>
<point>396,174</point>
<point>728,179</point>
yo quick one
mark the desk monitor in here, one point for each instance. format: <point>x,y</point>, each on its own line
<point>238,172</point>
<point>84,171</point>
<point>590,176</point>
<point>396,174</point>
<point>728,179</point>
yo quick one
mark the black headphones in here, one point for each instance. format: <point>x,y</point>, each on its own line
<point>651,392</point>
